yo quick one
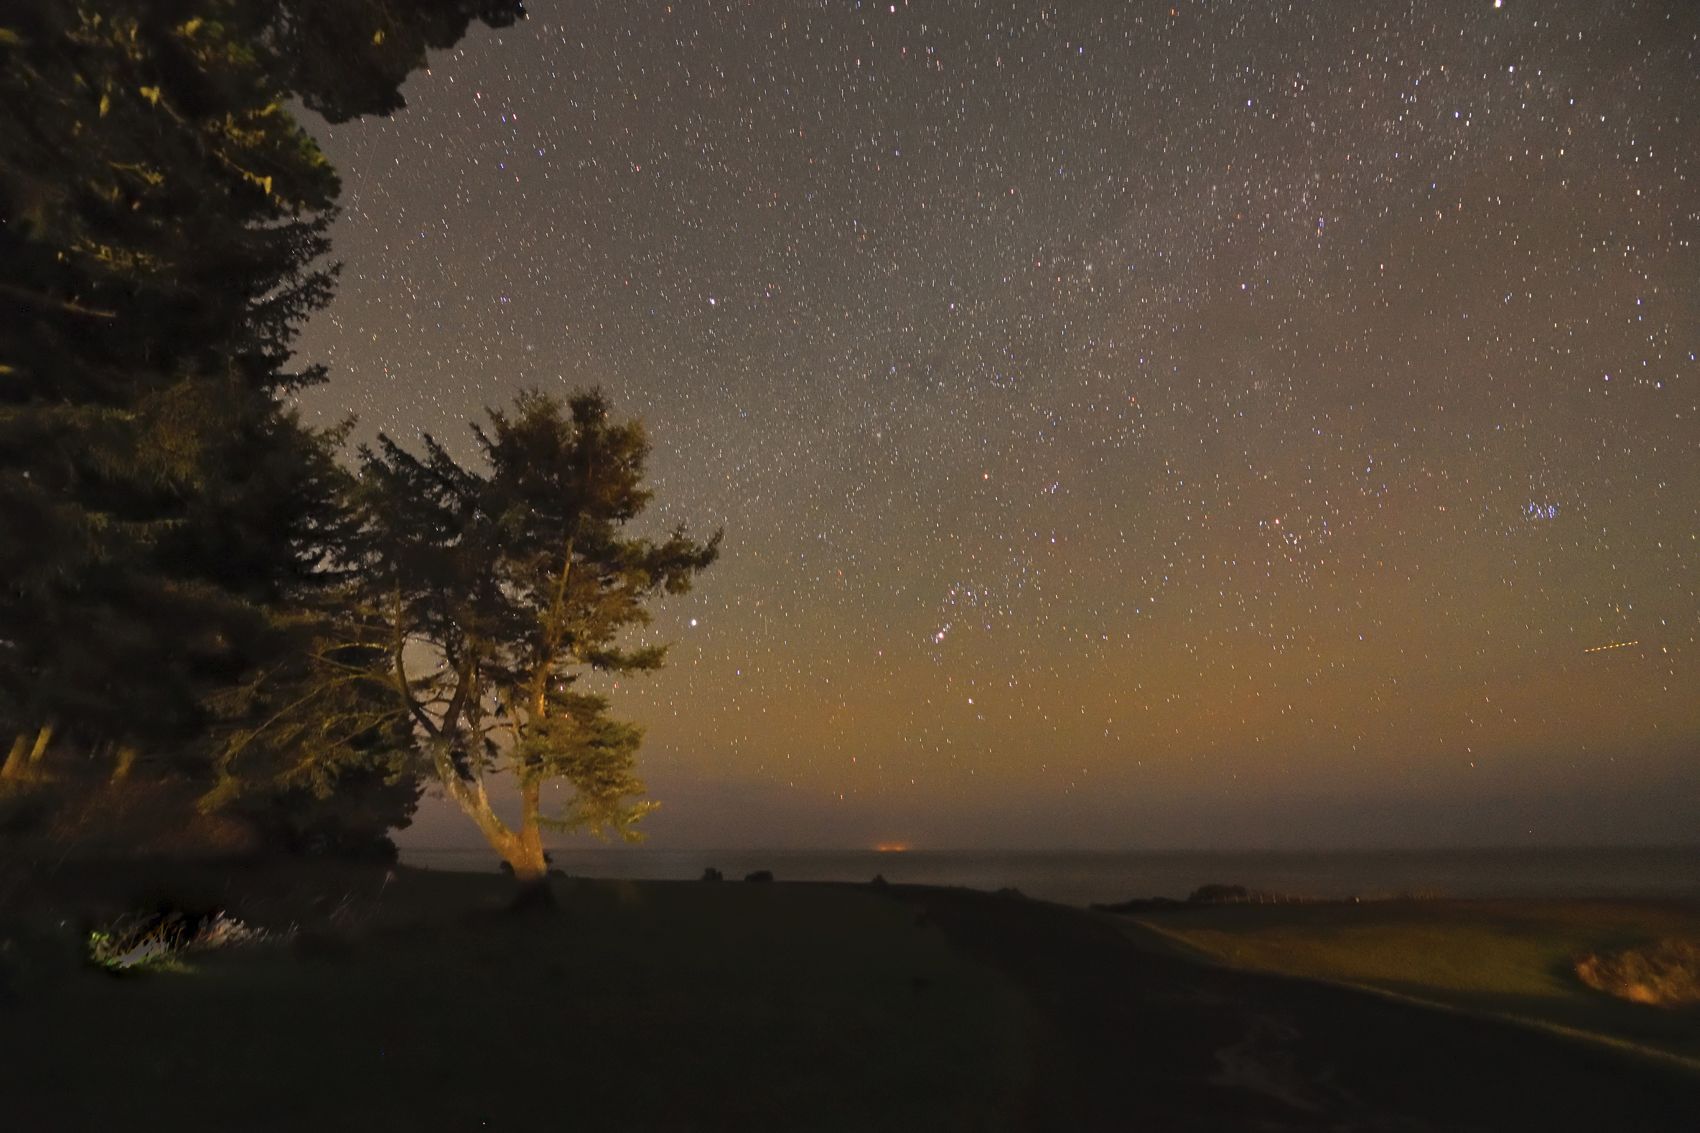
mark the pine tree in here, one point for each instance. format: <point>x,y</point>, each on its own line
<point>163,224</point>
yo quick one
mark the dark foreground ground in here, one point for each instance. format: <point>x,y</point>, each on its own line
<point>417,1002</point>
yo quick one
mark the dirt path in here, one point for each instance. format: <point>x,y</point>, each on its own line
<point>1140,1039</point>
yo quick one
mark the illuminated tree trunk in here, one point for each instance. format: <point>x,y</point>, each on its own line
<point>42,739</point>
<point>16,761</point>
<point>15,758</point>
<point>529,864</point>
<point>126,760</point>
<point>522,849</point>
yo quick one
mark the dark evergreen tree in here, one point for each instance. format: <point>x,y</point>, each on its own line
<point>162,228</point>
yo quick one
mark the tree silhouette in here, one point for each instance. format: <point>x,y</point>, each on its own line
<point>163,220</point>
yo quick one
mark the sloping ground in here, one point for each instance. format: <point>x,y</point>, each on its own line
<point>1145,1038</point>
<point>1512,959</point>
<point>657,1006</point>
<point>416,1003</point>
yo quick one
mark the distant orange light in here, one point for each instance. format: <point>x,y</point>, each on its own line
<point>892,847</point>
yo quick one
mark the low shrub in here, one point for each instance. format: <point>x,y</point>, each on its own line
<point>1666,974</point>
<point>159,941</point>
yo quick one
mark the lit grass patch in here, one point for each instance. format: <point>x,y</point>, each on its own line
<point>1512,959</point>
<point>1451,957</point>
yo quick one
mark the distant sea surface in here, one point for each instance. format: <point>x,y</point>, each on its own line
<point>1081,878</point>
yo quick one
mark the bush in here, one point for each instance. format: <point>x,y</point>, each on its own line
<point>159,940</point>
<point>1666,974</point>
<point>1239,894</point>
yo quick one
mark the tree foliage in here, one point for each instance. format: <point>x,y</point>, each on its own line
<point>485,600</point>
<point>163,223</point>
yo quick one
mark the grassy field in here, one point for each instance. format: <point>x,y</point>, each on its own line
<point>1510,959</point>
<point>653,1006</point>
<point>418,1000</point>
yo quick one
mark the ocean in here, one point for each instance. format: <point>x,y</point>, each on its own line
<point>1082,878</point>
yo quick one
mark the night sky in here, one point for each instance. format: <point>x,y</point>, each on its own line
<point>1234,424</point>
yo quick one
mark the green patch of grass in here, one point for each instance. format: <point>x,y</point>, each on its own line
<point>1513,959</point>
<point>634,1006</point>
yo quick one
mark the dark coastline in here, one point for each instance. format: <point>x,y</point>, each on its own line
<point>1085,877</point>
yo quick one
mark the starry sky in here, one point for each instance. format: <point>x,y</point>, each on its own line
<point>1228,424</point>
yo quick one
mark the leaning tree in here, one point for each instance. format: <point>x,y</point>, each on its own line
<point>480,602</point>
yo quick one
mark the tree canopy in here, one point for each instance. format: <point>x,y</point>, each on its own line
<point>486,599</point>
<point>163,220</point>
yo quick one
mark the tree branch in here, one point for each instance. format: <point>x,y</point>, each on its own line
<point>404,687</point>
<point>69,306</point>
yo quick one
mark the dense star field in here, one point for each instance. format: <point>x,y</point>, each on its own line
<point>1226,424</point>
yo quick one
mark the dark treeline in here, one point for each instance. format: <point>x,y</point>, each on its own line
<point>202,612</point>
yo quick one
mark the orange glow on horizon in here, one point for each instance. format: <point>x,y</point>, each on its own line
<point>891,847</point>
